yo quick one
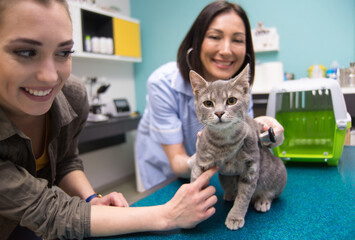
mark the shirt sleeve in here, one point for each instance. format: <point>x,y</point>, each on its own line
<point>165,124</point>
<point>250,110</point>
<point>28,200</point>
<point>67,155</point>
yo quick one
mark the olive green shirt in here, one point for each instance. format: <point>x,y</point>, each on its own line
<point>26,196</point>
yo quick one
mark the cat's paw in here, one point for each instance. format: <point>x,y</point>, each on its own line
<point>262,205</point>
<point>234,223</point>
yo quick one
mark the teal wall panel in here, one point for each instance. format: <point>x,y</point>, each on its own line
<point>311,32</point>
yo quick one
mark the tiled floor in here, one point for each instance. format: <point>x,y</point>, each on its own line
<point>128,188</point>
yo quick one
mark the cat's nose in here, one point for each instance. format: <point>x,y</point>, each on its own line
<point>219,114</point>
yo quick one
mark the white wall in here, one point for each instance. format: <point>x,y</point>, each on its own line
<point>109,165</point>
<point>118,74</point>
<point>122,5</point>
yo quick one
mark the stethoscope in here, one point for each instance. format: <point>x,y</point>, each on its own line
<point>268,135</point>
<point>188,57</point>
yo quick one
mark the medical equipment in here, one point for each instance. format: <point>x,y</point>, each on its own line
<point>95,114</point>
<point>268,136</point>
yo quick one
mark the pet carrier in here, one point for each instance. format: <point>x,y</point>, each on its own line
<point>314,116</point>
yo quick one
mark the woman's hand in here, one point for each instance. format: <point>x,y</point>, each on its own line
<point>192,203</point>
<point>112,199</point>
<point>268,122</point>
<point>178,159</point>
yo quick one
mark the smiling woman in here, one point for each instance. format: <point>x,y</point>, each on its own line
<point>223,49</point>
<point>35,65</point>
<point>217,46</point>
<point>42,111</point>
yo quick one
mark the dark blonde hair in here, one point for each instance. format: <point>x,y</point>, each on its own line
<point>196,34</point>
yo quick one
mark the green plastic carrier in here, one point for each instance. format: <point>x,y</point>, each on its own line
<point>314,116</point>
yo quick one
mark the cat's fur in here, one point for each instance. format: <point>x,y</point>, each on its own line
<point>248,171</point>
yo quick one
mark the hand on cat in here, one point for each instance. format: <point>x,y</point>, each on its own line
<point>268,122</point>
<point>112,199</point>
<point>192,203</point>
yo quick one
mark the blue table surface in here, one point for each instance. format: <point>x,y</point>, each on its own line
<point>318,203</point>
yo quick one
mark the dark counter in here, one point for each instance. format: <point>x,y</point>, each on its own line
<point>97,135</point>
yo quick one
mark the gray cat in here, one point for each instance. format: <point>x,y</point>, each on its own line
<point>248,171</point>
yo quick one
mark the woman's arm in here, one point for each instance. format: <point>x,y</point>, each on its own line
<point>191,204</point>
<point>178,159</point>
<point>76,183</point>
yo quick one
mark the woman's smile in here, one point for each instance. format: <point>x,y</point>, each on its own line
<point>223,63</point>
<point>38,94</point>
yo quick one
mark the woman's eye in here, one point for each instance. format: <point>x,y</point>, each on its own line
<point>25,53</point>
<point>208,103</point>
<point>213,37</point>
<point>65,54</point>
<point>239,41</point>
<point>231,101</point>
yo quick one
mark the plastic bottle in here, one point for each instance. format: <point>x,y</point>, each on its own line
<point>95,44</point>
<point>103,45</point>
<point>88,47</point>
<point>109,42</point>
<point>317,71</point>
<point>333,71</point>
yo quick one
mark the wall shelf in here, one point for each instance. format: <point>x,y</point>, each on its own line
<point>93,21</point>
<point>348,90</point>
<point>106,57</point>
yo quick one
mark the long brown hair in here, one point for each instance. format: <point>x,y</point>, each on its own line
<point>196,34</point>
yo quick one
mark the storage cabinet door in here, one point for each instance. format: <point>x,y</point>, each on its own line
<point>126,36</point>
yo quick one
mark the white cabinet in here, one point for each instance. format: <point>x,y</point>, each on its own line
<point>123,31</point>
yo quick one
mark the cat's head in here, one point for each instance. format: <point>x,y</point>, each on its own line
<point>221,102</point>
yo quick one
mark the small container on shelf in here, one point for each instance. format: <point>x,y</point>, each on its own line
<point>88,44</point>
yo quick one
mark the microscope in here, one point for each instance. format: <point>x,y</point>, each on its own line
<point>95,114</point>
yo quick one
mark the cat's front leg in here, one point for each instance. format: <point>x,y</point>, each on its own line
<point>196,170</point>
<point>199,165</point>
<point>229,185</point>
<point>246,188</point>
<point>235,218</point>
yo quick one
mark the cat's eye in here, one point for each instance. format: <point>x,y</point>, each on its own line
<point>231,101</point>
<point>208,103</point>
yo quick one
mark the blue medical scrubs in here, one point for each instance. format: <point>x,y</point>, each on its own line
<point>169,118</point>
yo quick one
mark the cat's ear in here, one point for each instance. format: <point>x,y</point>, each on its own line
<point>197,82</point>
<point>242,79</point>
